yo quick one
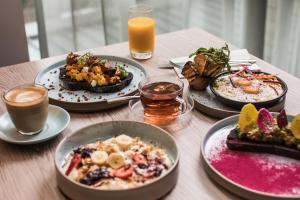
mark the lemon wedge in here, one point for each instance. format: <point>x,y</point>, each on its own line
<point>295,126</point>
<point>248,117</point>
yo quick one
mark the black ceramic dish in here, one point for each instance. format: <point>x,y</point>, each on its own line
<point>240,104</point>
<point>69,84</point>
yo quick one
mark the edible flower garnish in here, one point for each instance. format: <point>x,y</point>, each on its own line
<point>248,117</point>
<point>282,120</point>
<point>265,121</point>
<point>262,127</point>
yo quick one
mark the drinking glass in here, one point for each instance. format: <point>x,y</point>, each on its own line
<point>162,99</point>
<point>141,31</point>
<point>27,106</point>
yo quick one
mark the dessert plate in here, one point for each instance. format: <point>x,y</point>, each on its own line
<point>82,100</point>
<point>250,175</point>
<point>58,119</point>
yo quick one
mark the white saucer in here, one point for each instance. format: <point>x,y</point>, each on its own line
<point>58,119</point>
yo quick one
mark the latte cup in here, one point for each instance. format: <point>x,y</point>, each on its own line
<point>27,106</point>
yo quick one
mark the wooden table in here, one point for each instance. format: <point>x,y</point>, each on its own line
<point>27,172</point>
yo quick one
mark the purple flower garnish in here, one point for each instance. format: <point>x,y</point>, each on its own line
<point>265,120</point>
<point>282,119</point>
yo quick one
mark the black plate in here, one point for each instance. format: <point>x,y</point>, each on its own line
<point>240,104</point>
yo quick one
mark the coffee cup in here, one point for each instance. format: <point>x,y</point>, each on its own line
<point>27,106</point>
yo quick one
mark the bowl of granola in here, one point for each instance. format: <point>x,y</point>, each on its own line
<point>117,159</point>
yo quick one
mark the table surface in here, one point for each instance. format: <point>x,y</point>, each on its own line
<point>27,172</point>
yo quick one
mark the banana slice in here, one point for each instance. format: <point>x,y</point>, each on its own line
<point>124,141</point>
<point>74,175</point>
<point>99,157</point>
<point>115,160</point>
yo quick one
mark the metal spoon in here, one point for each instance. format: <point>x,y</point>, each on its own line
<point>120,99</point>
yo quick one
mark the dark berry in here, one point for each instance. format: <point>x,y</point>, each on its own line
<point>157,172</point>
<point>142,166</point>
<point>95,176</point>
<point>84,152</point>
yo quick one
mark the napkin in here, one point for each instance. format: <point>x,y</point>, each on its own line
<point>240,54</point>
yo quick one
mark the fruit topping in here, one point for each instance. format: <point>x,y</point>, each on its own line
<point>282,120</point>
<point>295,126</point>
<point>124,172</point>
<point>99,157</point>
<point>139,159</point>
<point>84,152</point>
<point>265,120</point>
<point>248,117</point>
<point>124,141</point>
<point>74,163</point>
<point>115,160</point>
<point>94,176</point>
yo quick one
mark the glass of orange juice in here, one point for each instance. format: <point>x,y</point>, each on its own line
<point>141,31</point>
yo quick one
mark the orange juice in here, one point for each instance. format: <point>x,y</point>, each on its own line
<point>141,35</point>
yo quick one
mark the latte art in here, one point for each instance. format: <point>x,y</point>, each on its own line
<point>24,95</point>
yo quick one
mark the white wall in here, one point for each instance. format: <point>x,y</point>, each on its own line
<point>13,43</point>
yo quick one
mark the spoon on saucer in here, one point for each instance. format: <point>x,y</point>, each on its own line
<point>120,99</point>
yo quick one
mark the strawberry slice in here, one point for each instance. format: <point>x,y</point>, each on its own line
<point>124,172</point>
<point>265,121</point>
<point>74,163</point>
<point>139,159</point>
<point>282,119</point>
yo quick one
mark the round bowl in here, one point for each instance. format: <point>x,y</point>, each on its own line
<point>106,130</point>
<point>240,104</point>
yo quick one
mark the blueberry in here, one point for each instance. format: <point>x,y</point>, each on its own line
<point>157,172</point>
<point>95,176</point>
<point>142,166</point>
<point>84,152</point>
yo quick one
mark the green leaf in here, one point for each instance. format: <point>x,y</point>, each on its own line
<point>123,72</point>
<point>215,56</point>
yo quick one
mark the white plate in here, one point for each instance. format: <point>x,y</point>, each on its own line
<point>88,101</point>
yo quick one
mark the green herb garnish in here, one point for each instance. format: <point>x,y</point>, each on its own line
<point>82,60</point>
<point>123,72</point>
<point>215,56</point>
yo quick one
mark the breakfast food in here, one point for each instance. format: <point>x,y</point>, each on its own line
<point>207,64</point>
<point>259,131</point>
<point>120,162</point>
<point>248,86</point>
<point>89,72</point>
